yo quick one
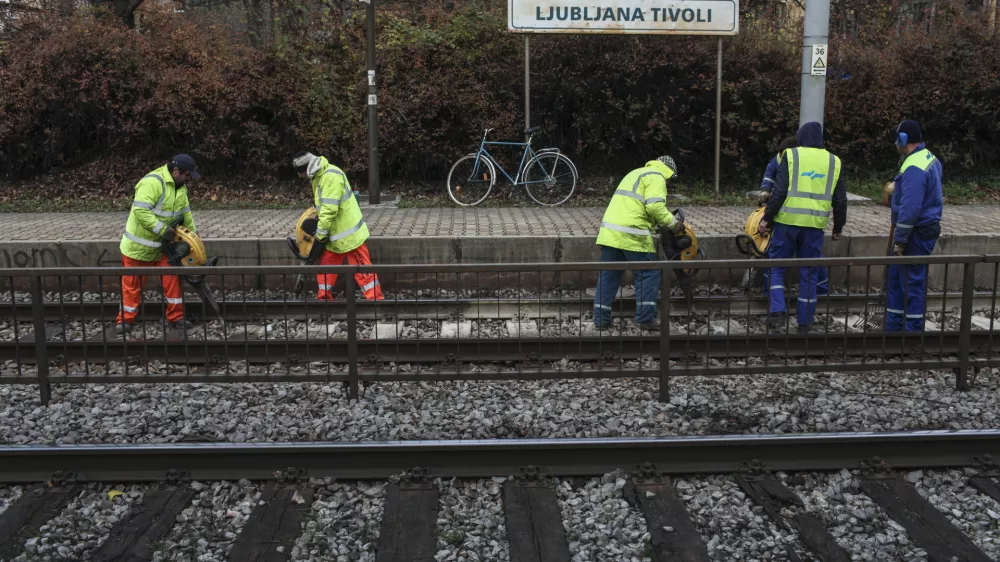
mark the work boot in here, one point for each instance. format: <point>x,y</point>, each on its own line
<point>653,326</point>
<point>182,324</point>
<point>776,322</point>
<point>804,329</point>
<point>123,328</point>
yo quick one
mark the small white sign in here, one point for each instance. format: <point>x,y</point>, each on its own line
<point>666,17</point>
<point>818,66</point>
<point>372,99</point>
<point>371,77</point>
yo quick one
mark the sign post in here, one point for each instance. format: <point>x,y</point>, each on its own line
<point>637,17</point>
<point>815,53</point>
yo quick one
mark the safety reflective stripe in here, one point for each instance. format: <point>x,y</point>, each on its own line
<point>325,201</point>
<point>625,229</point>
<point>321,233</point>
<point>158,227</point>
<point>777,286</point>
<point>602,306</point>
<point>174,301</point>
<point>635,186</point>
<point>183,211</point>
<point>142,241</point>
<point>323,287</point>
<point>370,286</point>
<point>646,303</point>
<point>129,308</point>
<point>914,315</point>
<point>628,193</point>
<point>142,204</point>
<point>654,200</point>
<point>806,300</point>
<point>810,212</point>
<point>903,226</point>
<point>349,231</point>
<point>894,311</point>
<point>768,180</point>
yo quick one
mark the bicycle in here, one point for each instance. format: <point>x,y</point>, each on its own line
<point>544,174</point>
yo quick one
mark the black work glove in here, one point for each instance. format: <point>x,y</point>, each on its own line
<point>898,249</point>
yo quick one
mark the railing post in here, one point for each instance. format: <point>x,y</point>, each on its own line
<point>665,280</point>
<point>965,327</point>
<point>352,335</point>
<point>41,346</point>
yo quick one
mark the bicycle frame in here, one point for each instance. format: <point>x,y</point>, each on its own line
<point>520,168</point>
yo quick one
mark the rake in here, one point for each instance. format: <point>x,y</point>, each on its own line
<point>874,315</point>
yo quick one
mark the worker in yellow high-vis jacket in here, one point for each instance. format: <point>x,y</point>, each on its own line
<point>341,228</point>
<point>637,209</point>
<point>160,198</point>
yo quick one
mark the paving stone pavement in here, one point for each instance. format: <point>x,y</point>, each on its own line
<point>862,219</point>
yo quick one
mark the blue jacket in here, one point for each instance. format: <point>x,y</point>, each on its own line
<point>770,175</point>
<point>809,135</point>
<point>917,200</point>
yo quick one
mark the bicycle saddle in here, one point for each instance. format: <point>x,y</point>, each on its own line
<point>532,130</point>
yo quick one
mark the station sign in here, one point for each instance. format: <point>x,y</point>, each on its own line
<point>646,17</point>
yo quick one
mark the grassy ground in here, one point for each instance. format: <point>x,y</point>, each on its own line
<point>590,192</point>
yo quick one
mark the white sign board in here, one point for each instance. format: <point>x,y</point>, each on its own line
<point>818,65</point>
<point>666,17</point>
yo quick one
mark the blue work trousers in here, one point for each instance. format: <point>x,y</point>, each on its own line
<point>907,289</point>
<point>822,284</point>
<point>647,285</point>
<point>802,242</point>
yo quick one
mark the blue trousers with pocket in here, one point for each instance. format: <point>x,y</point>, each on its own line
<point>795,241</point>
<point>647,285</point>
<point>907,288</point>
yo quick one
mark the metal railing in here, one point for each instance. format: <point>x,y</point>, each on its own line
<point>484,322</point>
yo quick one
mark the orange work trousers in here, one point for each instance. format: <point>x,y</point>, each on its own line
<point>132,292</point>
<point>358,256</point>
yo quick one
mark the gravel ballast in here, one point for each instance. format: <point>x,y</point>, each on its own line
<point>241,412</point>
<point>856,522</point>
<point>732,526</point>
<point>471,525</point>
<point>600,524</point>
<point>975,514</point>
<point>343,524</point>
<point>206,530</point>
<point>9,495</point>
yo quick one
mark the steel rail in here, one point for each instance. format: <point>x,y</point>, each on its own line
<point>486,458</point>
<point>469,308</point>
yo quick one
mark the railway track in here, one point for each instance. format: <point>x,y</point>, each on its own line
<point>481,308</point>
<point>533,478</point>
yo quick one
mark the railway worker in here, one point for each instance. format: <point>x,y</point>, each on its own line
<point>341,228</point>
<point>770,177</point>
<point>160,198</point>
<point>637,207</point>
<point>917,203</point>
<point>808,186</point>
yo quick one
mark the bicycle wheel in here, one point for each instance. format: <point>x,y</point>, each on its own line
<point>549,178</point>
<point>470,180</point>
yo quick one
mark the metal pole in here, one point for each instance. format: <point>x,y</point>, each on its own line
<point>718,119</point>
<point>41,346</point>
<point>817,32</point>
<point>527,82</point>
<point>373,181</point>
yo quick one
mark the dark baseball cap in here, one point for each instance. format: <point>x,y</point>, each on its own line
<point>185,163</point>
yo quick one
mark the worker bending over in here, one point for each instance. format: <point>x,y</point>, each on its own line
<point>808,186</point>
<point>917,204</point>
<point>341,227</point>
<point>637,207</point>
<point>160,198</point>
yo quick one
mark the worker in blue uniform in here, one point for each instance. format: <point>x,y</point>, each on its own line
<point>809,185</point>
<point>917,204</point>
<point>770,177</point>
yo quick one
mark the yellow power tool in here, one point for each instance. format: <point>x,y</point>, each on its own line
<point>682,248</point>
<point>753,244</point>
<point>304,245</point>
<point>186,249</point>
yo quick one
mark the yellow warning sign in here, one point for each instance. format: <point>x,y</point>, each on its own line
<point>819,67</point>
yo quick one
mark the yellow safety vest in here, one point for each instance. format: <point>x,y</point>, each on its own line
<point>340,219</point>
<point>156,204</point>
<point>637,207</point>
<point>812,175</point>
